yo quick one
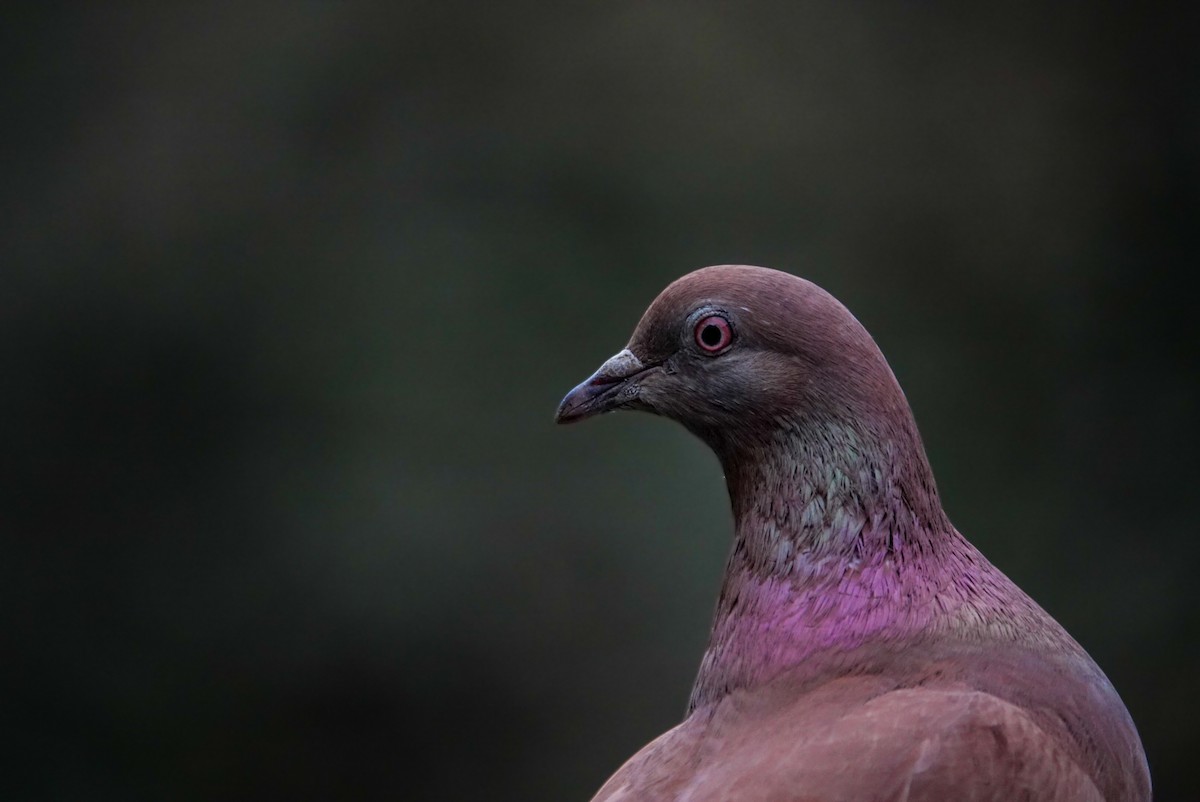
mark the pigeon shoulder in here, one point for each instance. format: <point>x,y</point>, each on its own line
<point>854,739</point>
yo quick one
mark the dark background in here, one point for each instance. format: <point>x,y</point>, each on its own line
<point>289,293</point>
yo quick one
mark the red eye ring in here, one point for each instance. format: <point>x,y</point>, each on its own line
<point>713,334</point>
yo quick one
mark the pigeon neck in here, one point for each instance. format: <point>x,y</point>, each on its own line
<point>833,488</point>
<point>834,524</point>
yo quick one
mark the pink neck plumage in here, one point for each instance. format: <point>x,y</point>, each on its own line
<point>838,533</point>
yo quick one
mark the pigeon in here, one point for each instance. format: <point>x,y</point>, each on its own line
<point>861,649</point>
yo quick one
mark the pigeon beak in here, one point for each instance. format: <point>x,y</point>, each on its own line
<point>607,389</point>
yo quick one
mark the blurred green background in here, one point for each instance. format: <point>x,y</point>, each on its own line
<point>290,291</point>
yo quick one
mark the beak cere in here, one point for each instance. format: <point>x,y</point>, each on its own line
<point>607,389</point>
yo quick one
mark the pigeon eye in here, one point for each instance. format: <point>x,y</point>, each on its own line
<point>713,334</point>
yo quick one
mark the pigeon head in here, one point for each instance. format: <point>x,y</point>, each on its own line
<point>737,354</point>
